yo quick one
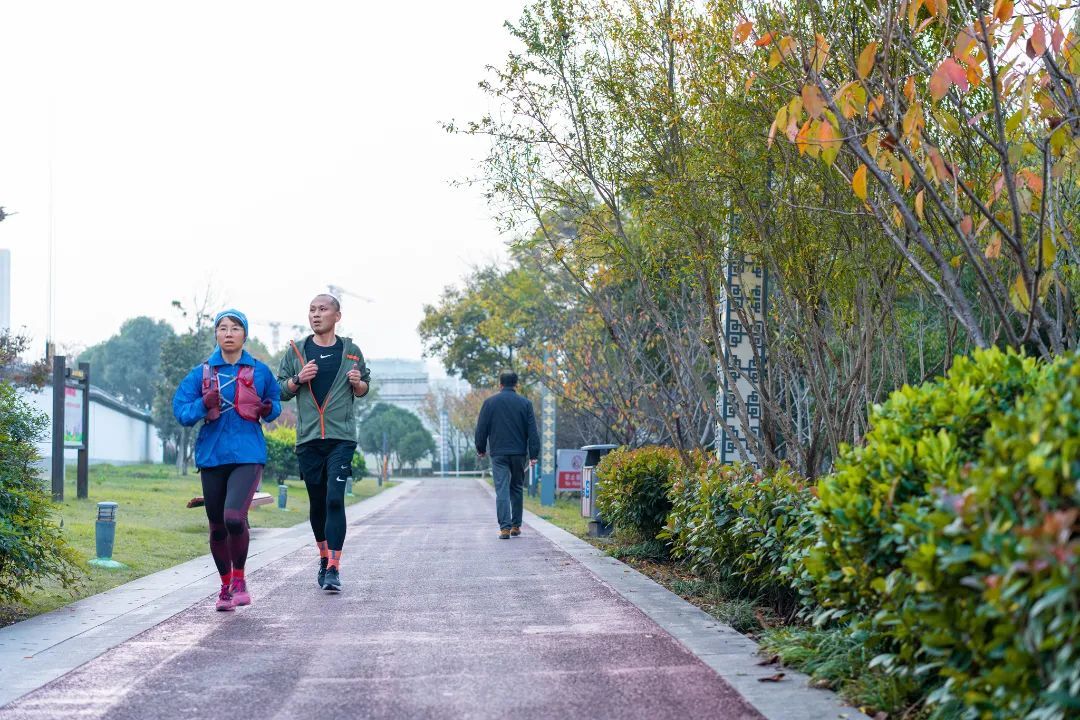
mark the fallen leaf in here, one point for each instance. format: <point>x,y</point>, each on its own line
<point>770,661</point>
<point>772,678</point>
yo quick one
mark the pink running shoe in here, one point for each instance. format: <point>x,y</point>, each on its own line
<point>239,592</point>
<point>225,599</point>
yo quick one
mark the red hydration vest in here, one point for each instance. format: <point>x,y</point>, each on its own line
<point>248,404</point>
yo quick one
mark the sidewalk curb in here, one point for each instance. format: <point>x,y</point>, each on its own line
<point>35,652</point>
<point>732,655</point>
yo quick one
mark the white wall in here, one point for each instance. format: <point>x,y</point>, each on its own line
<point>116,437</point>
<point>5,290</point>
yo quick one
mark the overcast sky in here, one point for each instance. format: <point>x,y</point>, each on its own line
<point>264,149</point>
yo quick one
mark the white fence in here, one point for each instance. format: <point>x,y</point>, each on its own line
<point>119,434</point>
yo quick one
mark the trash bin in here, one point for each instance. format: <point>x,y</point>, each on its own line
<point>589,485</point>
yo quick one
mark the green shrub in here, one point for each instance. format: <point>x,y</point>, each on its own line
<point>921,438</point>
<point>633,493</point>
<point>988,602</point>
<point>737,521</point>
<point>281,453</point>
<point>32,546</point>
<point>359,465</point>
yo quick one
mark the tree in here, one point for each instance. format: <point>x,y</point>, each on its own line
<point>127,364</point>
<point>179,354</point>
<point>956,126</point>
<point>407,440</point>
<point>32,545</point>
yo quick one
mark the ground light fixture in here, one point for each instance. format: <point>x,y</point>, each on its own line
<point>105,536</point>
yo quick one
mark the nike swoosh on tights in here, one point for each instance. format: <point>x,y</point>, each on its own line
<point>341,479</point>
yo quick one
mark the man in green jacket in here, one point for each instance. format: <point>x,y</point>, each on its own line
<point>326,374</point>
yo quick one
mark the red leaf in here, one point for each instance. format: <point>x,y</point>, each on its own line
<point>764,39</point>
<point>1036,44</point>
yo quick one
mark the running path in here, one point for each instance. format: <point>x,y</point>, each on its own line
<point>439,619</point>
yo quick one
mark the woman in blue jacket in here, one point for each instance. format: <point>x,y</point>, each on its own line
<point>232,393</point>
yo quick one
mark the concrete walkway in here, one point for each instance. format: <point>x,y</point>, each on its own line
<point>439,619</point>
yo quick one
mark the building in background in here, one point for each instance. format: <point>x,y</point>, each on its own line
<point>403,383</point>
<point>5,290</point>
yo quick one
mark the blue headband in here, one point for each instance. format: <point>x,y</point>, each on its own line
<point>236,314</point>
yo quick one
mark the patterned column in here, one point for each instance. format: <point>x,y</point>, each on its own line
<point>748,283</point>
<point>547,437</point>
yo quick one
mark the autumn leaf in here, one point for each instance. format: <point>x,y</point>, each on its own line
<point>949,73</point>
<point>742,31</point>
<point>1018,295</point>
<point>993,248</point>
<point>1057,37</point>
<point>858,182</point>
<point>821,53</point>
<point>812,100</point>
<point>1036,44</point>
<point>919,205</point>
<point>830,145</point>
<point>1017,31</point>
<point>1003,10</point>
<point>966,223</point>
<point>764,39</point>
<point>865,63</point>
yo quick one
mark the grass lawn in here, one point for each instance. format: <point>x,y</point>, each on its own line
<point>154,528</point>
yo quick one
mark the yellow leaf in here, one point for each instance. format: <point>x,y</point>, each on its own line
<point>909,88</point>
<point>955,261</point>
<point>913,11</point>
<point>749,81</point>
<point>858,182</point>
<point>821,53</point>
<point>742,31</point>
<point>919,205</point>
<point>1049,251</point>
<point>774,58</point>
<point>865,63</point>
<point>873,144</point>
<point>1003,10</point>
<point>897,219</point>
<point>942,9</point>
<point>1018,295</point>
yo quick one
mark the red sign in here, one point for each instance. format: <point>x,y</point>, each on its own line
<point>568,470</point>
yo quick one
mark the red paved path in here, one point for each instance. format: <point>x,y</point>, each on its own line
<point>439,619</point>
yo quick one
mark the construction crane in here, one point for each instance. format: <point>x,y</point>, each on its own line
<point>337,291</point>
<point>275,330</point>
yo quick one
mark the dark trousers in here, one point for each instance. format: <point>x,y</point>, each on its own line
<point>326,466</point>
<point>508,472</point>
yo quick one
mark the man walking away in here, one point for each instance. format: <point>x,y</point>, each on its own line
<point>328,373</point>
<point>506,430</point>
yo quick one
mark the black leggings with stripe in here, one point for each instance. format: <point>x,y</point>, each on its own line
<point>227,492</point>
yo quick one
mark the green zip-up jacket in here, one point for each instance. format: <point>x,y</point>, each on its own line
<point>335,419</point>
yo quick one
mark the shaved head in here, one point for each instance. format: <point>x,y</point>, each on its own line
<point>328,298</point>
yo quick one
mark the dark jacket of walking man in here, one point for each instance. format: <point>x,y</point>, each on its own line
<point>506,430</point>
